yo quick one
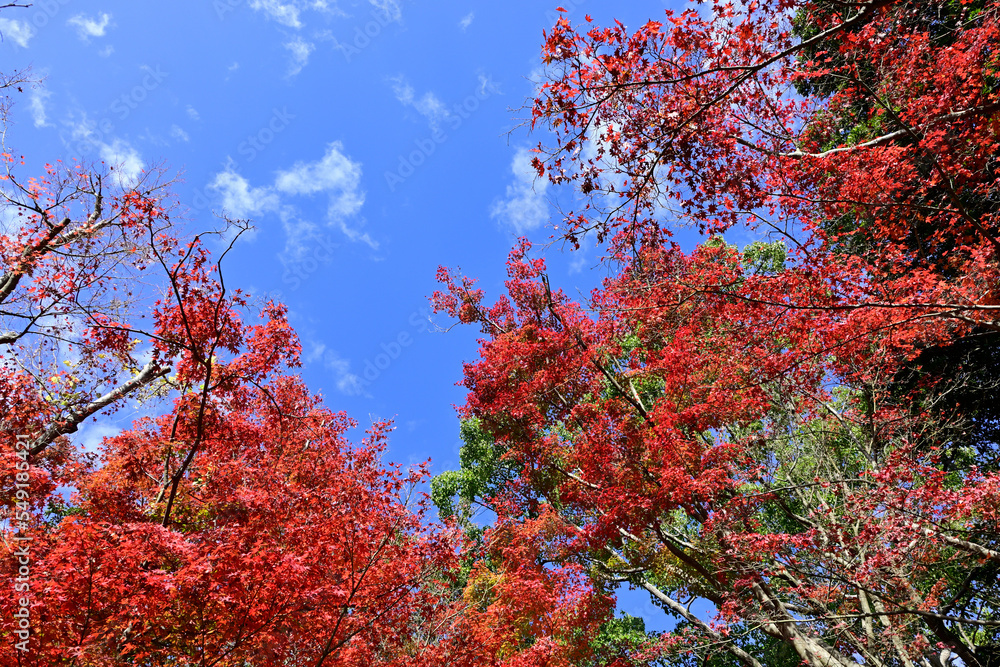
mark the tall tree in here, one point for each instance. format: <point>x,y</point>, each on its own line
<point>760,429</point>
<point>702,447</point>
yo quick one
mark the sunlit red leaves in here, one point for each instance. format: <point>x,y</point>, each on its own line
<point>686,383</point>
<point>235,524</point>
<point>285,539</point>
<point>702,124</point>
<point>523,611</point>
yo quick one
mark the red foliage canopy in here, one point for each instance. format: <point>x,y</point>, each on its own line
<point>752,428</point>
<point>239,525</point>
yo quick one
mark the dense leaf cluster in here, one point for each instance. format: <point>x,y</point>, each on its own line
<point>799,435</point>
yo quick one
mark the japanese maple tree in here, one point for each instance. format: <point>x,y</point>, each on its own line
<point>762,429</point>
<point>234,524</point>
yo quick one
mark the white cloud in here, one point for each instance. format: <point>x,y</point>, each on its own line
<point>125,159</point>
<point>177,132</point>
<point>314,352</point>
<point>192,113</point>
<point>300,234</point>
<point>488,86</point>
<point>239,200</point>
<point>335,175</point>
<point>467,21</point>
<point>284,13</point>
<point>289,12</point>
<point>429,105</point>
<point>106,51</point>
<point>402,90</point>
<point>18,32</point>
<point>87,27</point>
<point>347,382</point>
<point>300,50</point>
<point>578,264</point>
<point>119,155</point>
<point>36,104</point>
<point>525,207</point>
<point>13,219</point>
<point>355,234</point>
<point>389,8</point>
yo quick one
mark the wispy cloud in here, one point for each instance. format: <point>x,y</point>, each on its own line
<point>338,177</point>
<point>123,157</point>
<point>37,101</point>
<point>300,51</point>
<point>289,12</point>
<point>335,176</point>
<point>467,21</point>
<point>286,14</point>
<point>19,32</point>
<point>389,8</point>
<point>335,171</point>
<point>239,200</point>
<point>525,206</point>
<point>117,153</point>
<point>87,27</point>
<point>347,382</point>
<point>178,133</point>
<point>488,86</point>
<point>428,105</point>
